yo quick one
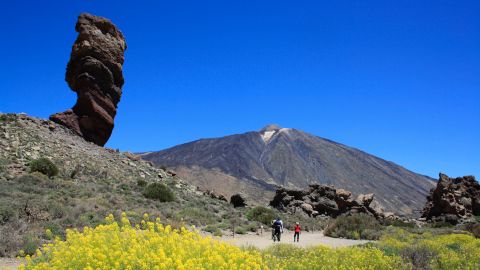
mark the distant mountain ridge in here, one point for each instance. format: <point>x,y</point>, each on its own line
<point>255,162</point>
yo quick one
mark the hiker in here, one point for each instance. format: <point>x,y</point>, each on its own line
<point>297,232</point>
<point>277,229</point>
<point>273,229</point>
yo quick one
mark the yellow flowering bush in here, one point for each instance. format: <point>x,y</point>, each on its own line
<point>448,251</point>
<point>151,245</point>
<point>319,258</point>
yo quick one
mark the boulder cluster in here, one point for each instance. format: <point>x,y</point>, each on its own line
<point>453,200</point>
<point>94,72</point>
<point>214,195</point>
<point>324,200</point>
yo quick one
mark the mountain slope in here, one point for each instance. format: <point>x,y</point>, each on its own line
<point>92,182</point>
<point>255,162</point>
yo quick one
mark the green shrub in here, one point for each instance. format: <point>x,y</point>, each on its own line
<point>357,226</point>
<point>252,227</point>
<point>158,191</point>
<point>398,223</point>
<point>45,166</point>
<point>196,216</point>
<point>3,164</point>
<point>123,187</point>
<point>210,228</point>
<point>8,117</point>
<point>213,230</point>
<point>6,214</point>
<point>30,245</point>
<point>240,230</point>
<point>419,256</point>
<point>141,183</point>
<point>261,214</point>
<point>55,229</point>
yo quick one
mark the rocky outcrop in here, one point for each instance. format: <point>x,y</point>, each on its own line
<point>453,200</point>
<point>322,199</point>
<point>94,72</point>
<point>214,195</point>
<point>238,200</point>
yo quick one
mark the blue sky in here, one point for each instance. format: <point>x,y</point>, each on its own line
<point>398,80</point>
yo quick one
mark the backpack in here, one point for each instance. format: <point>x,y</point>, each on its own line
<point>277,224</point>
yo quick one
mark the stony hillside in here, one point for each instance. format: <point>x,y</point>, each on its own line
<point>255,162</point>
<point>92,182</point>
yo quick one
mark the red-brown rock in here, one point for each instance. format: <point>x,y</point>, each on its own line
<point>323,199</point>
<point>94,72</point>
<point>453,199</point>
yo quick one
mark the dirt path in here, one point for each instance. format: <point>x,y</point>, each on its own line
<point>9,263</point>
<point>306,239</point>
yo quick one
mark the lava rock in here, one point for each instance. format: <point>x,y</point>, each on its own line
<point>238,200</point>
<point>94,72</point>
<point>323,199</point>
<point>453,200</point>
<point>215,195</point>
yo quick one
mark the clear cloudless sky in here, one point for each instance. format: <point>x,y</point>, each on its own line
<point>397,79</point>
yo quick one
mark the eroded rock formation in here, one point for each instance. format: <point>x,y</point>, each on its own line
<point>326,200</point>
<point>94,72</point>
<point>453,199</point>
<point>215,195</point>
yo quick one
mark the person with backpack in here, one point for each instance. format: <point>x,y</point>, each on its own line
<point>297,232</point>
<point>273,229</point>
<point>277,229</point>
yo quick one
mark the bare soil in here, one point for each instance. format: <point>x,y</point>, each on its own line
<point>9,263</point>
<point>307,239</point>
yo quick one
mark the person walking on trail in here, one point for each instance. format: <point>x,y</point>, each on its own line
<point>297,232</point>
<point>273,229</point>
<point>277,229</point>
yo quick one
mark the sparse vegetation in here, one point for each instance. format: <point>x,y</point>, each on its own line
<point>474,229</point>
<point>425,250</point>
<point>45,166</point>
<point>30,245</point>
<point>91,182</point>
<point>357,226</point>
<point>196,215</point>
<point>141,183</point>
<point>261,214</point>
<point>3,165</point>
<point>159,191</point>
<point>213,230</point>
<point>240,230</point>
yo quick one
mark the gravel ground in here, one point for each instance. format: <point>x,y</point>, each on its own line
<point>306,239</point>
<point>9,263</point>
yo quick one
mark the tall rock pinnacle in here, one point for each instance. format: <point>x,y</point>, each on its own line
<point>94,72</point>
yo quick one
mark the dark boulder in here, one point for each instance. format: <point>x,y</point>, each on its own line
<point>238,200</point>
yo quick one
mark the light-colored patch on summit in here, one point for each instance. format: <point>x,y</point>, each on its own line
<point>267,135</point>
